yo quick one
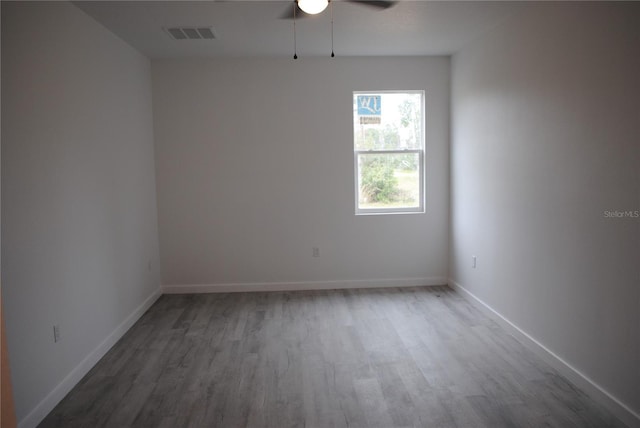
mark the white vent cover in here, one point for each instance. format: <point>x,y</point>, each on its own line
<point>191,33</point>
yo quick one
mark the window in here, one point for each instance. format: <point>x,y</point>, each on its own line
<point>388,142</point>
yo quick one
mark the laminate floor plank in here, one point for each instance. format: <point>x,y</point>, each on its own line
<point>396,357</point>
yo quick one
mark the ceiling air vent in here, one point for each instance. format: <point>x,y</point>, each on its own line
<point>191,33</point>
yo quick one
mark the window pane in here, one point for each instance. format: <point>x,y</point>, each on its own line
<point>388,180</point>
<point>387,121</point>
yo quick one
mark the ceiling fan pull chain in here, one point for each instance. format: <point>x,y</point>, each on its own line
<point>295,46</point>
<point>331,6</point>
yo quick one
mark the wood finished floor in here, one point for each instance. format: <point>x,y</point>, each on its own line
<point>409,357</point>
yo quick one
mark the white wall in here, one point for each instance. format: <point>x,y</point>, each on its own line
<point>79,223</point>
<point>545,139</point>
<point>254,162</point>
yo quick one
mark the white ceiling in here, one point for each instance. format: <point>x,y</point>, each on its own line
<point>254,28</point>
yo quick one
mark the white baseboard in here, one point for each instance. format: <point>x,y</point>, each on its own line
<point>62,389</point>
<point>304,285</point>
<point>590,387</point>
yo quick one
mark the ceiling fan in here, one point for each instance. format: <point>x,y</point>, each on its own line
<point>304,8</point>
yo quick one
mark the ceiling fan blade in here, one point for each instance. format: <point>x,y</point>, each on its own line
<point>288,14</point>
<point>378,4</point>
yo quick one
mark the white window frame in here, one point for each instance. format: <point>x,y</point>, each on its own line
<point>421,161</point>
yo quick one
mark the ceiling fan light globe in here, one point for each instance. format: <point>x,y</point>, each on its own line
<point>313,7</point>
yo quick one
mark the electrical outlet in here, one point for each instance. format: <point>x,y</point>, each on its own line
<point>315,252</point>
<point>474,263</point>
<point>56,333</point>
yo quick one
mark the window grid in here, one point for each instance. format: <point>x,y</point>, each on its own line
<point>360,154</point>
